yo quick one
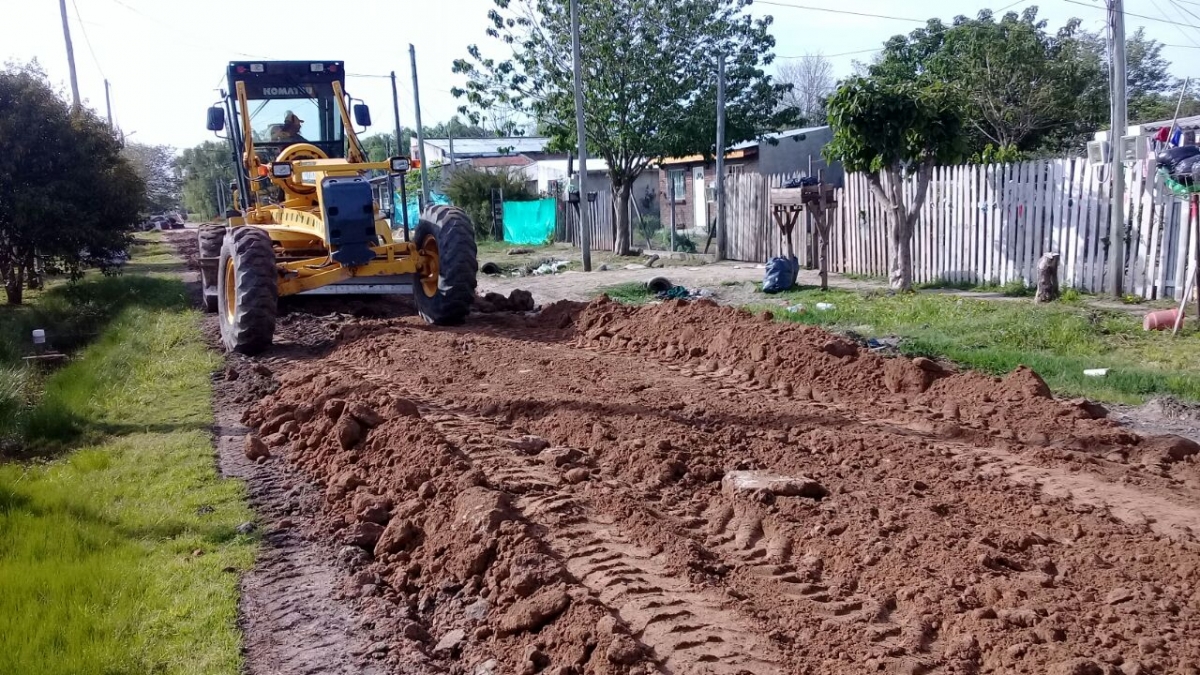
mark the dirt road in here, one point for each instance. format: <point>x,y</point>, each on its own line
<point>690,489</point>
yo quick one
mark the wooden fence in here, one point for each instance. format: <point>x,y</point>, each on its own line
<point>990,224</point>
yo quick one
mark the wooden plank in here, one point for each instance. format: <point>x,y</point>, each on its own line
<point>1103,208</point>
<point>985,223</point>
<point>1153,237</point>
<point>1183,248</point>
<point>1071,231</point>
<point>1021,195</point>
<point>967,211</point>
<point>1141,233</point>
<point>1061,193</point>
<point>1169,212</point>
<point>921,236</point>
<point>1041,197</point>
<point>1012,236</point>
<point>1087,218</point>
<point>975,237</point>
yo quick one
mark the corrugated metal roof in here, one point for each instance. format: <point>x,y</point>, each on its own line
<point>778,136</point>
<point>485,147</point>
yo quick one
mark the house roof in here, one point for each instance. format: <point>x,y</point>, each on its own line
<point>1190,122</point>
<point>747,148</point>
<point>490,147</point>
<point>498,161</point>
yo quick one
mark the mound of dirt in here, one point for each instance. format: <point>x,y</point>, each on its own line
<point>691,488</point>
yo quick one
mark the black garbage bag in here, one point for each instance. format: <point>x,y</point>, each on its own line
<point>1171,157</point>
<point>781,274</point>
<point>1184,169</point>
<point>804,181</point>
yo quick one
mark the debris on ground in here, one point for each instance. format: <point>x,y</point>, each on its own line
<point>518,251</point>
<point>684,487</point>
<point>491,268</point>
<point>548,267</point>
<point>516,301</point>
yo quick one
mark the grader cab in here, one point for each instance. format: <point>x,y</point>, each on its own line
<point>304,219</point>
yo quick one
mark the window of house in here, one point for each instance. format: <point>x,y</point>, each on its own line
<point>736,168</point>
<point>675,176</point>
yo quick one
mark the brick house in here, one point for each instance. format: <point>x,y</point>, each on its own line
<point>796,150</point>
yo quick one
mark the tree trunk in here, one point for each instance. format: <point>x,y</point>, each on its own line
<point>1047,288</point>
<point>621,241</point>
<point>14,286</point>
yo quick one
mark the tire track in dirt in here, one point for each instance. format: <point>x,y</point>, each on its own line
<point>689,631</point>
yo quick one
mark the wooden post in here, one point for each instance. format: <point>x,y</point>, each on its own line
<point>1047,287</point>
<point>822,222</point>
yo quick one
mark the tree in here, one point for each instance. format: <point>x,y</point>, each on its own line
<point>891,131</point>
<point>471,189</point>
<point>207,170</point>
<point>1151,89</point>
<point>649,79</point>
<point>1025,88</point>
<point>158,169</point>
<point>812,82</point>
<point>67,196</point>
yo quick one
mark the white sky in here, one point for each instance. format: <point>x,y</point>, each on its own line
<point>166,58</point>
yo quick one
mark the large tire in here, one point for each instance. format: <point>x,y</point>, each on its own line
<point>211,238</point>
<point>247,290</point>
<point>445,288</point>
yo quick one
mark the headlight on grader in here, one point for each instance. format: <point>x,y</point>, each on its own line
<point>281,169</point>
<point>400,164</point>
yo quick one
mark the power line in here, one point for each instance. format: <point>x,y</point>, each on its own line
<point>1187,36</point>
<point>87,40</point>
<point>839,11</point>
<point>1125,13</point>
<point>1010,5</point>
<point>1185,9</point>
<point>831,56</point>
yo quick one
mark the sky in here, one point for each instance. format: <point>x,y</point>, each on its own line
<point>165,59</point>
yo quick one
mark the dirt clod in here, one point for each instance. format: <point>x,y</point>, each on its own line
<point>255,448</point>
<point>535,611</point>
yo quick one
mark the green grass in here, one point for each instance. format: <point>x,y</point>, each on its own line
<point>631,292</point>
<point>1059,341</point>
<point>96,544</point>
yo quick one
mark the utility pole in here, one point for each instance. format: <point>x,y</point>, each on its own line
<point>585,234</point>
<point>62,7</point>
<point>720,182</point>
<point>450,135</point>
<point>1119,123</point>
<point>108,104</point>
<point>400,151</point>
<point>412,55</point>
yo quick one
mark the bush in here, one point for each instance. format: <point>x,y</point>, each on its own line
<point>471,190</point>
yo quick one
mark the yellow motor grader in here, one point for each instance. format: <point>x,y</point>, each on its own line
<point>304,217</point>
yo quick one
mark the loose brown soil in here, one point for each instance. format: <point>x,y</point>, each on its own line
<point>687,488</point>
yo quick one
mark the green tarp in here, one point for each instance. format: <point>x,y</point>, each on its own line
<point>529,222</point>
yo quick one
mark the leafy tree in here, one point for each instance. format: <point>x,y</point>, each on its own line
<point>812,82</point>
<point>893,130</point>
<point>67,196</point>
<point>1025,88</point>
<point>207,169</point>
<point>1152,91</point>
<point>157,168</point>
<point>649,79</point>
<point>471,189</point>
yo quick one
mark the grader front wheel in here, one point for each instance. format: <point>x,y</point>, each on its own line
<point>247,290</point>
<point>445,285</point>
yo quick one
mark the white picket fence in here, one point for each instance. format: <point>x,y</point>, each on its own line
<point>991,223</point>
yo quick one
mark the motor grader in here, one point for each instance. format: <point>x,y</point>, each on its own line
<point>303,216</point>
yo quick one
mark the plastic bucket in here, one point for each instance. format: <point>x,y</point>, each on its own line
<point>1163,319</point>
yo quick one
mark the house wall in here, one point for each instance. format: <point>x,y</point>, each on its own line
<point>791,155</point>
<point>685,209</point>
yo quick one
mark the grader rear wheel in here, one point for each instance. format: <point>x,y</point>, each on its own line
<point>445,286</point>
<point>211,237</point>
<point>247,290</point>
